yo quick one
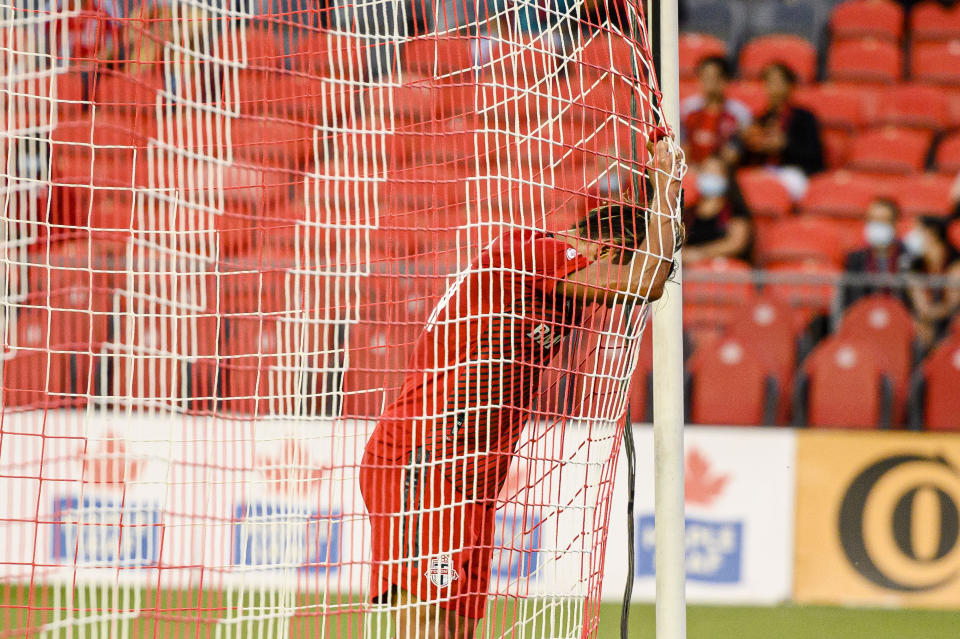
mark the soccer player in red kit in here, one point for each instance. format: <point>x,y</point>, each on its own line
<point>439,455</point>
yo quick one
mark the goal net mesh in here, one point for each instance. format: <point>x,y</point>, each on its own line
<point>225,226</point>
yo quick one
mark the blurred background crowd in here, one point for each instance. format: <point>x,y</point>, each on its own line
<point>822,259</point>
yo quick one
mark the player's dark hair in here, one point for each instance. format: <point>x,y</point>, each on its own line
<point>720,62</point>
<point>623,225</point>
<point>783,69</point>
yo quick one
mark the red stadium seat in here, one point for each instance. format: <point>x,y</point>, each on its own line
<point>435,56</point>
<point>146,360</point>
<point>913,105</point>
<point>890,150</point>
<point>835,105</point>
<point>292,97</point>
<point>605,53</point>
<point>924,193</point>
<point>641,401</point>
<point>764,194</point>
<point>731,284</point>
<point>694,47</point>
<point>953,234</point>
<point>767,324</point>
<point>131,94</point>
<point>931,20</point>
<point>809,288</point>
<point>794,51</point>
<point>941,373</point>
<point>839,194</point>
<point>865,60</point>
<point>712,290</point>
<point>731,385</point>
<point>801,239</point>
<point>936,62</point>
<point>836,147</point>
<point>50,356</point>
<point>844,386</point>
<point>259,48</point>
<point>751,93</point>
<point>867,18</point>
<point>74,91</point>
<point>948,153</point>
<point>885,321</point>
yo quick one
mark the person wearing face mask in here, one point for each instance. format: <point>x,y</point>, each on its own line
<point>931,253</point>
<point>883,254</point>
<point>718,224</point>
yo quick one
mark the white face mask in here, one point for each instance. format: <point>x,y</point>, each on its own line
<point>879,234</point>
<point>914,242</point>
<point>711,184</point>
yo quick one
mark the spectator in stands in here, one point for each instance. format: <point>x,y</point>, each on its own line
<point>883,255</point>
<point>94,33</point>
<point>710,121</point>
<point>147,31</point>
<point>718,224</point>
<point>786,136</point>
<point>933,304</point>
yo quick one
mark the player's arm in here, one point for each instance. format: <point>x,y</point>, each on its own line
<point>609,280</point>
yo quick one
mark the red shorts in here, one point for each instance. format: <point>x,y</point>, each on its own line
<point>427,539</point>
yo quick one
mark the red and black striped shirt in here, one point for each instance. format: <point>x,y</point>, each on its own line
<point>477,366</point>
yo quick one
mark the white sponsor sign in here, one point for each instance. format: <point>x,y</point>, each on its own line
<point>739,517</point>
<point>184,501</point>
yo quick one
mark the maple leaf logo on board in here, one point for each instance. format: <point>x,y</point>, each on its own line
<point>701,485</point>
<point>293,469</point>
<point>106,462</point>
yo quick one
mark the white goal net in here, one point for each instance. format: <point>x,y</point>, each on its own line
<point>225,229</point>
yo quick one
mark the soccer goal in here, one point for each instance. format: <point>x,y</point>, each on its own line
<point>323,319</point>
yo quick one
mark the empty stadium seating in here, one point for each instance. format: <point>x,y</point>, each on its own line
<point>889,128</point>
<point>931,20</point>
<point>885,321</point>
<point>841,386</point>
<point>865,60</point>
<point>867,18</point>
<point>936,402</point>
<point>936,62</point>
<point>791,50</point>
<point>730,385</point>
<point>894,150</point>
<point>694,47</point>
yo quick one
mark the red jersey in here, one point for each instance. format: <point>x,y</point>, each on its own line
<point>477,365</point>
<point>707,130</point>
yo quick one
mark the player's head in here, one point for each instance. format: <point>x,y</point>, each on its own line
<point>713,73</point>
<point>779,81</point>
<point>620,227</point>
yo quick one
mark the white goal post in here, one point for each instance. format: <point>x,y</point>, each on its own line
<point>668,418</point>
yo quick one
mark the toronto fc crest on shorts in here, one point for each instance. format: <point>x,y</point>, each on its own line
<point>441,572</point>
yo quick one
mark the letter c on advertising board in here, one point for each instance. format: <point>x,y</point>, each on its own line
<point>899,523</point>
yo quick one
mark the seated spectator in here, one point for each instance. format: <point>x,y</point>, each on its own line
<point>710,121</point>
<point>786,136</point>
<point>718,224</point>
<point>884,253</point>
<point>933,304</point>
<point>94,33</point>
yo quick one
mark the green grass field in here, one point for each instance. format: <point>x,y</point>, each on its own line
<point>218,617</point>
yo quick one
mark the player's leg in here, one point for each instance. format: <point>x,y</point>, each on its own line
<point>429,544</point>
<point>416,619</point>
